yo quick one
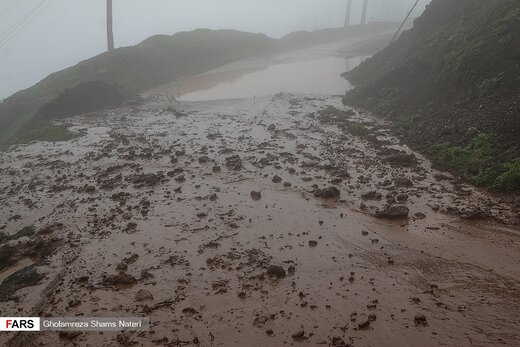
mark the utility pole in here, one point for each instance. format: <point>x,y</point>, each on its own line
<point>364,13</point>
<point>110,32</point>
<point>347,14</point>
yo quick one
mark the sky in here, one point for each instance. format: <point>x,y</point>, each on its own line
<point>60,33</point>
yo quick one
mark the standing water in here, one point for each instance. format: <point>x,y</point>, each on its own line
<point>310,71</point>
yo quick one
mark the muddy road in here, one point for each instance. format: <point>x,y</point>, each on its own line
<point>285,220</point>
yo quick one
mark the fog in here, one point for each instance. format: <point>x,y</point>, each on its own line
<point>64,32</point>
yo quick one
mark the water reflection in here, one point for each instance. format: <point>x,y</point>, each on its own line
<point>308,74</point>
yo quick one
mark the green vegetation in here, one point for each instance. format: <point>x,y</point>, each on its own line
<point>405,122</point>
<point>501,176</point>
<point>467,160</point>
<point>44,131</point>
<point>456,74</point>
<point>335,113</point>
<point>489,85</point>
<point>358,129</point>
<point>26,231</point>
<point>6,254</point>
<point>462,45</point>
<point>476,163</point>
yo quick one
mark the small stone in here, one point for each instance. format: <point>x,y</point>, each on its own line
<point>122,267</point>
<point>327,193</point>
<point>276,271</point>
<point>299,335</point>
<point>277,179</point>
<point>313,243</point>
<point>204,159</point>
<point>393,212</point>
<point>420,320</point>
<point>143,295</point>
<point>256,195</point>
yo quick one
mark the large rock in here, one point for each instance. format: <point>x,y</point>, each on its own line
<point>327,193</point>
<point>393,212</point>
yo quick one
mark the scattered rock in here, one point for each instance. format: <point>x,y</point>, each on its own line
<point>420,320</point>
<point>119,280</point>
<point>327,193</point>
<point>299,335</point>
<point>256,195</point>
<point>373,195</point>
<point>277,179</point>
<point>403,182</point>
<point>204,159</point>
<point>143,295</point>
<point>234,163</point>
<point>276,271</point>
<point>393,212</point>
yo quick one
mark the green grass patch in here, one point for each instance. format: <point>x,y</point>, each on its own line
<point>476,163</point>
<point>26,231</point>
<point>404,122</point>
<point>470,160</point>
<point>46,131</point>
<point>357,129</point>
<point>501,176</point>
<point>335,113</point>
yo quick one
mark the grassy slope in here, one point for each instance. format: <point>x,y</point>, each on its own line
<point>151,63</point>
<point>454,47</point>
<point>455,75</point>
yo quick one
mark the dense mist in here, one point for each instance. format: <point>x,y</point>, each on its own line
<point>66,32</point>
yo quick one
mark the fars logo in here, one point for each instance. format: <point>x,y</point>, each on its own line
<point>19,324</point>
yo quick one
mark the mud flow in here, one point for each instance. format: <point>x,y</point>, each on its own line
<point>265,220</point>
<point>288,220</point>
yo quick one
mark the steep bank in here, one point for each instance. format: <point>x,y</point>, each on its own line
<point>154,62</point>
<point>450,79</point>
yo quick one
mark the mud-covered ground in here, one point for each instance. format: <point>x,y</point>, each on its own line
<point>288,220</point>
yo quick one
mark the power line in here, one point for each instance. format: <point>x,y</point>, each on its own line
<point>24,22</point>
<point>402,24</point>
<point>21,20</point>
<point>18,2</point>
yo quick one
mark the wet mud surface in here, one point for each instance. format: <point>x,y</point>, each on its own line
<point>288,220</point>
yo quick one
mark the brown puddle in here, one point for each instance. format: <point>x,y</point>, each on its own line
<point>315,70</point>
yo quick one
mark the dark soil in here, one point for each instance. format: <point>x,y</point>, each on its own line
<point>455,73</point>
<point>84,98</point>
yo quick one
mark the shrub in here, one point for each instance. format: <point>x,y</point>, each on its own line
<point>469,160</point>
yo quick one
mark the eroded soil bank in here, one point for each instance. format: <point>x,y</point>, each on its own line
<point>289,220</point>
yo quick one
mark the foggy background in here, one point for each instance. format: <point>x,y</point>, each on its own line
<point>60,33</point>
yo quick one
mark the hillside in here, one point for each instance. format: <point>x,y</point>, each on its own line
<point>153,62</point>
<point>156,61</point>
<point>451,84</point>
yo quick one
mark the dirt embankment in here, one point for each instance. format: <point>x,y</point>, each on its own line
<point>454,75</point>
